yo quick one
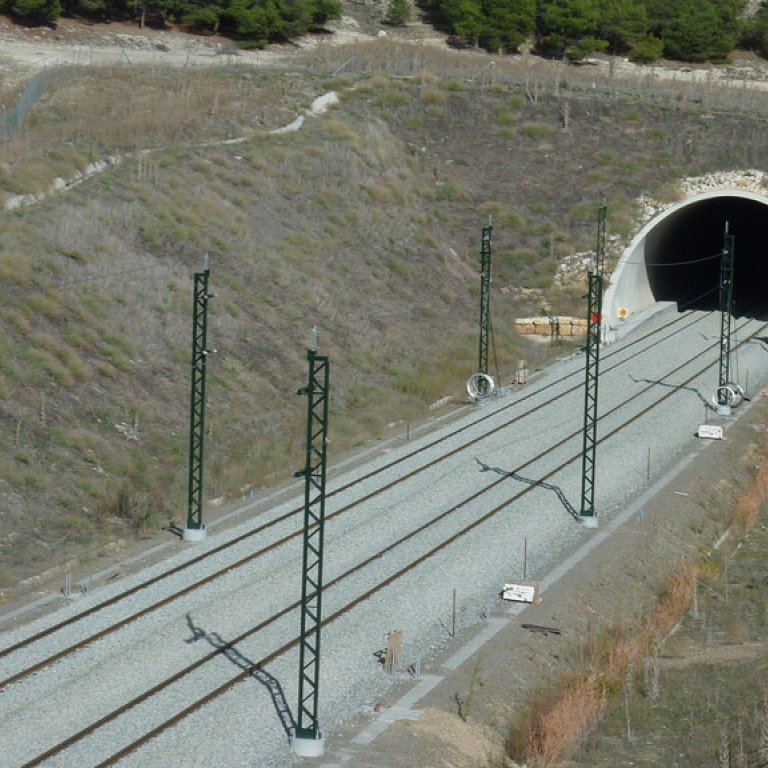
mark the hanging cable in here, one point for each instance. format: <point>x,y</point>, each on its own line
<point>673,263</point>
<point>688,303</point>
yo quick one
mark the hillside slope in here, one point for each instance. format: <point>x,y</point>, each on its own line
<point>366,220</point>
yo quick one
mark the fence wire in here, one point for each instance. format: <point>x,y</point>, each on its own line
<point>741,92</point>
<point>12,119</point>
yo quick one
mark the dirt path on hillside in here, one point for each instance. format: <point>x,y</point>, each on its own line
<point>24,51</point>
<point>718,654</point>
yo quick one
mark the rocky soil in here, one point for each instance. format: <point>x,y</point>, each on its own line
<point>25,50</point>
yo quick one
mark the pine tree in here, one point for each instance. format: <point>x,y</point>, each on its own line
<point>398,13</point>
<point>506,25</point>
<point>36,11</point>
<point>696,33</point>
<point>622,23</point>
<point>570,25</point>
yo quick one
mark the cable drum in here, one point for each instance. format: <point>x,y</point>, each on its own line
<point>729,394</point>
<point>480,386</point>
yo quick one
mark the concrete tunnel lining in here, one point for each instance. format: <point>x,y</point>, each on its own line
<point>676,258</point>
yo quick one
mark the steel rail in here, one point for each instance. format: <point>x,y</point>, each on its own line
<point>36,667</point>
<point>380,584</point>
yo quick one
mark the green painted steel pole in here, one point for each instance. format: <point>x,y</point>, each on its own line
<point>594,325</point>
<point>195,528</point>
<point>307,728</point>
<point>485,301</point>
<point>592,370</point>
<point>726,309</point>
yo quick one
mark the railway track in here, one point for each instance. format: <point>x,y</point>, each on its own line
<point>258,666</point>
<point>655,337</point>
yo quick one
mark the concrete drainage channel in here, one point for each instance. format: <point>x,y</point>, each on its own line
<point>356,746</point>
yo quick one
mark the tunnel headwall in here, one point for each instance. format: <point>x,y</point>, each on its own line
<point>676,257</point>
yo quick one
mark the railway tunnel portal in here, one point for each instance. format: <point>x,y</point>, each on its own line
<point>676,258</point>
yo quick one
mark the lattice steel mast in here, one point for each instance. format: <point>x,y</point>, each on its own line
<point>308,740</point>
<point>195,528</point>
<point>726,306</point>
<point>592,349</point>
<point>485,300</point>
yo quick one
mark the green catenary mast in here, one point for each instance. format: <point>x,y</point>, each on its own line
<point>726,307</point>
<point>592,349</point>
<point>307,741</point>
<point>485,300</point>
<point>195,528</point>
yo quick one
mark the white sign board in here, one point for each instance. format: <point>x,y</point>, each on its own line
<point>711,432</point>
<point>520,591</point>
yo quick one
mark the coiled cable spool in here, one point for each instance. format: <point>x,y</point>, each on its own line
<point>731,393</point>
<point>480,386</point>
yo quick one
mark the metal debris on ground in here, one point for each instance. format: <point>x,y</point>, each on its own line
<point>542,630</point>
<point>394,649</point>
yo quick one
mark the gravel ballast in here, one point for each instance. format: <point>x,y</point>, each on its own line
<point>243,724</point>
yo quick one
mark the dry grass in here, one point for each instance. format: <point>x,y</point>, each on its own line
<point>558,718</point>
<point>100,275</point>
<point>81,118</point>
<point>696,702</point>
<point>557,724</point>
<point>538,77</point>
<point>747,507</point>
<point>671,605</point>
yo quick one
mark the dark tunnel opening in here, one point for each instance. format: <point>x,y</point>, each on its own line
<point>683,255</point>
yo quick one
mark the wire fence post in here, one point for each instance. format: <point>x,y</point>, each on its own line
<point>12,119</point>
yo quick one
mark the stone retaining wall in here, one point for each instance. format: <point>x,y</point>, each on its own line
<point>555,326</point>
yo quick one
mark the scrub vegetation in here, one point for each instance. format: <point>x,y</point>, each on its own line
<point>699,697</point>
<point>366,221</point>
<point>685,684</point>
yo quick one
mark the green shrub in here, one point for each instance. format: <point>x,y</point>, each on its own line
<point>646,50</point>
<point>413,122</point>
<point>536,130</point>
<point>398,13</point>
<point>35,11</point>
<point>583,212</point>
<point>431,97</point>
<point>503,116</point>
<point>449,190</point>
